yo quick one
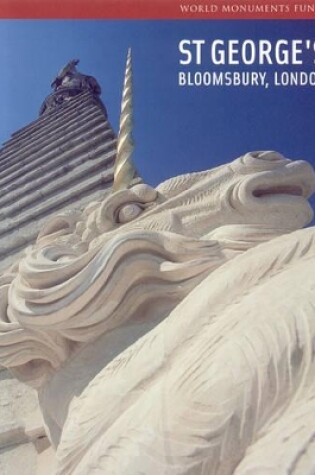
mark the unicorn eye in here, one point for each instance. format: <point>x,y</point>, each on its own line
<point>128,212</point>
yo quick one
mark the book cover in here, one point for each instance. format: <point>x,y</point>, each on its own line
<point>207,85</point>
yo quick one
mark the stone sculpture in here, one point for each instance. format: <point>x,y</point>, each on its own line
<point>65,74</point>
<point>170,330</point>
<point>69,77</point>
<point>68,83</point>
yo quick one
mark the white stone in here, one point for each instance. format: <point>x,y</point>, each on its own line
<point>180,341</point>
<point>23,442</point>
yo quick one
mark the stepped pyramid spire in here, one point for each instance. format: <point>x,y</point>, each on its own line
<point>61,161</point>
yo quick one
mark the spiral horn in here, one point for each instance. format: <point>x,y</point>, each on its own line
<point>124,170</point>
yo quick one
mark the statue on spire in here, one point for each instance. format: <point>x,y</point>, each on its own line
<point>68,83</point>
<point>68,71</point>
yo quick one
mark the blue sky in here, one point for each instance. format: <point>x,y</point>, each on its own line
<point>177,130</point>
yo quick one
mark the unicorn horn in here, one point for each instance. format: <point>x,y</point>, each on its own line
<point>124,170</point>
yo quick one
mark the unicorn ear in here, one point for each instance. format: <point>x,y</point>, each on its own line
<point>124,170</point>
